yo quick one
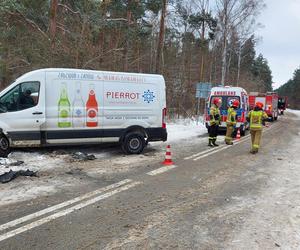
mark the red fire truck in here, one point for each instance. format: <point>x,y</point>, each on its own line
<point>270,101</point>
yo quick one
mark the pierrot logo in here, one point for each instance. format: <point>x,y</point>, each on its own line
<point>148,96</point>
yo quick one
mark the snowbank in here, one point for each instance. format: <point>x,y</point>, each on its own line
<point>296,112</point>
<point>185,129</point>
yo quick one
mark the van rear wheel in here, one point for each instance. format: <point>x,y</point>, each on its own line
<point>134,143</point>
<point>4,146</point>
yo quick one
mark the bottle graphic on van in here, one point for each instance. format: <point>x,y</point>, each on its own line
<point>64,108</point>
<point>78,115</point>
<point>92,108</point>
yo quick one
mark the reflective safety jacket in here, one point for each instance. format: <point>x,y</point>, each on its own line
<point>214,115</point>
<point>231,117</point>
<point>256,118</point>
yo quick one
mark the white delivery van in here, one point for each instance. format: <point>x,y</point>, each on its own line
<point>72,106</point>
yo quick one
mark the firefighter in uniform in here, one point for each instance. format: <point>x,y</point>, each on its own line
<point>231,121</point>
<point>256,118</point>
<point>215,119</point>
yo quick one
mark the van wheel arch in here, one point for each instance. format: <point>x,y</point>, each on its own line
<point>133,129</point>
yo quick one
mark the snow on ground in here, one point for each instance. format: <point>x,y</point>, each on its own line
<point>294,111</point>
<point>31,187</point>
<point>185,129</point>
<point>33,161</point>
<point>53,165</point>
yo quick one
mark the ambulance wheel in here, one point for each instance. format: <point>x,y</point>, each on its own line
<point>134,143</point>
<point>4,146</point>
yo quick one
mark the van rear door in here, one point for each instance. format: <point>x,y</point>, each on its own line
<point>23,107</point>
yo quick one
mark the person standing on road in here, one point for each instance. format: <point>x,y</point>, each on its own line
<point>215,119</point>
<point>231,121</point>
<point>256,118</point>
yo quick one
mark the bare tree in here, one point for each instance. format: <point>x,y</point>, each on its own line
<point>126,46</point>
<point>52,24</point>
<point>233,13</point>
<point>161,37</point>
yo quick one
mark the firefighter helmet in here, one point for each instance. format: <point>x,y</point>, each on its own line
<point>235,104</point>
<point>259,105</point>
<point>217,100</point>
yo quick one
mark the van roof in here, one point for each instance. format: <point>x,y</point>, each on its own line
<point>87,71</point>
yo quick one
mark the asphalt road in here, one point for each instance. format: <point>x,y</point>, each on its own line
<point>204,201</point>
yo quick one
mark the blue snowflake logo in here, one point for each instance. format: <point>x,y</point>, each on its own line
<point>78,112</point>
<point>148,96</point>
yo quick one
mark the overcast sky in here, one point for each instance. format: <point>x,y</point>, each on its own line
<point>280,43</point>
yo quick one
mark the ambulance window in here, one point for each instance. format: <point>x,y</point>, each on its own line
<point>23,96</point>
<point>226,101</point>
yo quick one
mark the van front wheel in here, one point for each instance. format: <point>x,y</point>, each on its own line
<point>134,143</point>
<point>4,146</point>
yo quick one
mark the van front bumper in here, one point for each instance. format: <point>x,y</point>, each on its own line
<point>157,134</point>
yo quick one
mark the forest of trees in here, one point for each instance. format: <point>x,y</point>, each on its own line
<point>186,41</point>
<point>292,90</point>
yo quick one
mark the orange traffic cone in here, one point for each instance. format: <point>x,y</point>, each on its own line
<point>168,157</point>
<point>238,134</point>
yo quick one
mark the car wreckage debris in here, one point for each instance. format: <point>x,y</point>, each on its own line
<point>9,176</point>
<point>83,156</point>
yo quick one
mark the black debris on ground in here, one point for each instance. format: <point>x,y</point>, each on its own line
<point>9,176</point>
<point>83,156</point>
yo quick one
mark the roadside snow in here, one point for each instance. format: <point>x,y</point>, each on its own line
<point>185,129</point>
<point>294,111</point>
<point>32,161</point>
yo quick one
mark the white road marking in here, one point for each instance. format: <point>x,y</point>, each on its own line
<point>213,152</point>
<point>61,205</point>
<point>161,170</point>
<point>65,211</point>
<point>213,149</point>
<point>200,153</point>
<point>236,142</point>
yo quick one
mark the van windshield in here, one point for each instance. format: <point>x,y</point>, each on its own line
<point>226,101</point>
